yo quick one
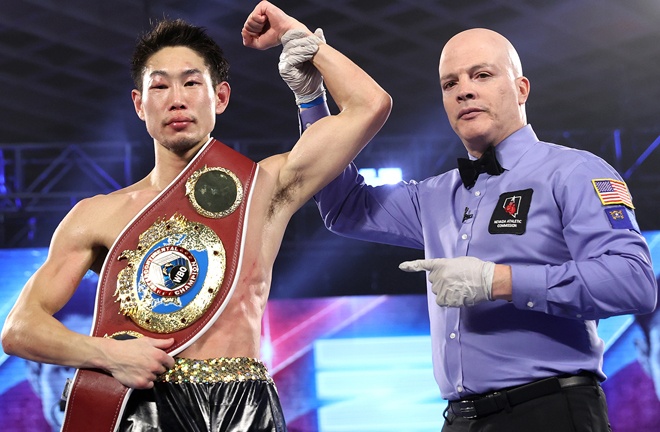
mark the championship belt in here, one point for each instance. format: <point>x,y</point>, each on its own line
<point>170,273</point>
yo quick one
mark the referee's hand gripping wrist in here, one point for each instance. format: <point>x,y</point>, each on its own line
<point>296,68</point>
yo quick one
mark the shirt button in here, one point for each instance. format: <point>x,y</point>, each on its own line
<point>530,304</point>
<point>477,193</point>
<point>452,335</point>
<point>464,236</point>
<point>307,125</point>
<point>459,389</point>
<point>578,316</point>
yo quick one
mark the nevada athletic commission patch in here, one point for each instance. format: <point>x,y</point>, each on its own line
<point>510,214</point>
<point>173,276</point>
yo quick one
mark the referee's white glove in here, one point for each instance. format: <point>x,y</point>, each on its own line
<point>296,68</point>
<point>456,282</point>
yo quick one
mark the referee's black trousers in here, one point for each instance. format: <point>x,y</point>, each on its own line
<point>574,409</point>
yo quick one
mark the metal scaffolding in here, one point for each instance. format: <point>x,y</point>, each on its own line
<point>39,183</point>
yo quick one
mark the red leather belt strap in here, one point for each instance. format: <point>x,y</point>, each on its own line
<point>96,398</point>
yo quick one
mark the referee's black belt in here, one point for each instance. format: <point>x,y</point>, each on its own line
<point>491,403</point>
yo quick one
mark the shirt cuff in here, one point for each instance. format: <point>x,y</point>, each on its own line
<point>309,116</point>
<point>529,287</point>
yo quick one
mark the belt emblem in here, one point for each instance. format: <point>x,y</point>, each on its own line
<point>173,276</point>
<point>214,192</point>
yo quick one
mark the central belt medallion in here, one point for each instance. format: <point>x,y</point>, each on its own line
<point>170,271</point>
<point>173,276</point>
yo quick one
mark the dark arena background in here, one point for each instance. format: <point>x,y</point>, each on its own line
<point>345,332</point>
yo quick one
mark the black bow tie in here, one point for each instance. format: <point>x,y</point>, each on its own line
<point>470,169</point>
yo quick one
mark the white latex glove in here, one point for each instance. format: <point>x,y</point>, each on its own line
<point>296,68</point>
<point>462,281</point>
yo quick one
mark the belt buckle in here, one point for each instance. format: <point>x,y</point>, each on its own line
<point>467,409</point>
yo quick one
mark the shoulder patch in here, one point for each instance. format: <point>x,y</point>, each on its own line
<point>621,217</point>
<point>612,191</point>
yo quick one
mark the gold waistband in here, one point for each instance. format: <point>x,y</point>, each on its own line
<point>216,370</point>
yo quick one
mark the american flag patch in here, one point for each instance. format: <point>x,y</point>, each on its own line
<point>612,191</point>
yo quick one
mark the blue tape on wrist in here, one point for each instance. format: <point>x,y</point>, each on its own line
<point>318,101</point>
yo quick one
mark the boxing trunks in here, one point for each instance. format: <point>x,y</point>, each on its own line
<point>213,395</point>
